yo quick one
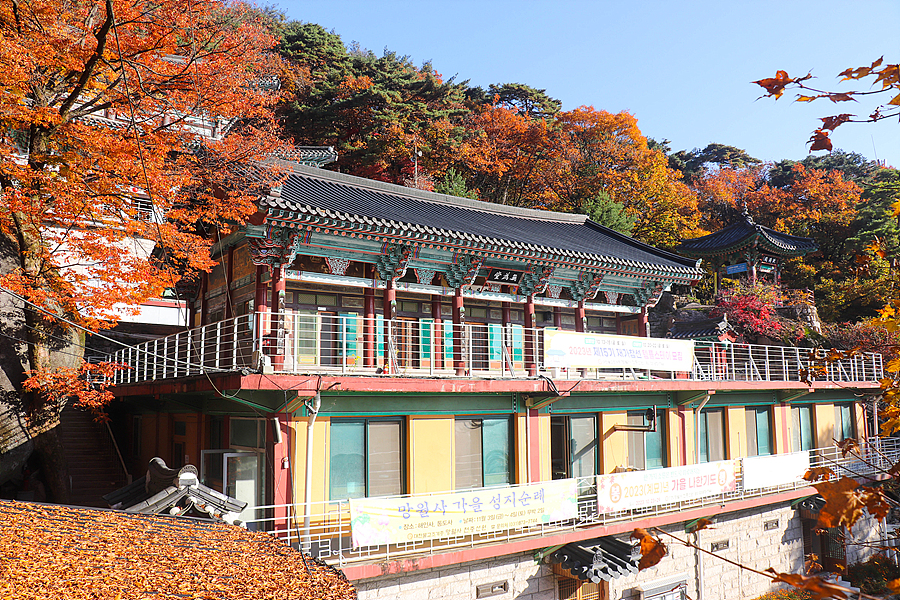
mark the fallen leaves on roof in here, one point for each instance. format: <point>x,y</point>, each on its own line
<point>49,551</point>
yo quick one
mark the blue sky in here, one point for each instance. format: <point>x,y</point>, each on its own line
<point>682,68</point>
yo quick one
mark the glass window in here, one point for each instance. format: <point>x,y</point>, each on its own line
<point>366,458</point>
<point>843,422</point>
<point>482,452</point>
<point>573,446</point>
<point>801,428</point>
<point>646,449</point>
<point>712,435</point>
<point>759,434</point>
<point>247,433</point>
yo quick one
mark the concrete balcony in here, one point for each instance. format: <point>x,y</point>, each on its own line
<point>292,343</point>
<point>325,530</point>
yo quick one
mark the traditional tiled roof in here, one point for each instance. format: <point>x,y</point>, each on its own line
<point>743,234</point>
<point>53,551</point>
<point>598,559</point>
<point>701,329</point>
<point>163,489</point>
<point>386,212</point>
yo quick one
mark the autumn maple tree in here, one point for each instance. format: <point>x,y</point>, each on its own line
<point>122,125</point>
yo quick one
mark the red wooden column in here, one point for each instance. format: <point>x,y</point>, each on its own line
<point>262,307</point>
<point>459,363</point>
<point>530,346</point>
<point>369,320</point>
<point>437,343</point>
<point>204,306</point>
<point>645,322</point>
<point>389,298</point>
<point>579,317</point>
<point>229,277</point>
<point>277,306</point>
<point>507,330</point>
<point>557,317</point>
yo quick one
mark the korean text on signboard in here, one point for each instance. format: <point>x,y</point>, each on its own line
<point>569,349</point>
<point>643,489</point>
<point>377,521</point>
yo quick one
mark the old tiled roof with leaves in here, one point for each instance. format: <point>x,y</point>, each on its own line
<point>49,551</point>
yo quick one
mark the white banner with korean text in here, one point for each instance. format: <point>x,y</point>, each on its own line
<point>643,489</point>
<point>570,349</point>
<point>774,470</point>
<point>378,521</point>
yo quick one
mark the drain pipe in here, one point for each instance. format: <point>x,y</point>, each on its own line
<point>313,408</point>
<point>697,430</point>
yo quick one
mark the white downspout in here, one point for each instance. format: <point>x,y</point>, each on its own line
<point>697,430</point>
<point>313,407</point>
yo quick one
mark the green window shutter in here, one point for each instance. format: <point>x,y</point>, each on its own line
<point>518,343</point>
<point>348,460</point>
<point>425,328</point>
<point>379,335</point>
<point>495,341</point>
<point>495,451</point>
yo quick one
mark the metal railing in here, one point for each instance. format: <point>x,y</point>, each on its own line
<point>346,344</point>
<point>329,536</point>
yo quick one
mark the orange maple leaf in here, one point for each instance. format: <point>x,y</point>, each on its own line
<point>652,549</point>
<point>818,588</point>
<point>846,502</point>
<point>775,85</point>
<point>818,473</point>
<point>834,121</point>
<point>820,141</point>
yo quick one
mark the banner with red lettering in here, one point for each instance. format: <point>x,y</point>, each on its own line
<point>569,349</point>
<point>642,489</point>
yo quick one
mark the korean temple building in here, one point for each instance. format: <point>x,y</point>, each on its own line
<point>747,249</point>
<point>452,399</point>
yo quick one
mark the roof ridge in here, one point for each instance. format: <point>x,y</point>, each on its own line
<point>433,197</point>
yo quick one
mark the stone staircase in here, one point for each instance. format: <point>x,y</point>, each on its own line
<point>94,467</point>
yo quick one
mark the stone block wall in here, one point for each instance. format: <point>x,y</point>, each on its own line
<point>525,580</point>
<point>758,538</point>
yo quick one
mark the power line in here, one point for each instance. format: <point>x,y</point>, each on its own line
<point>104,337</point>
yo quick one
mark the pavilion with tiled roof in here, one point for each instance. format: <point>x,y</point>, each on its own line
<point>747,247</point>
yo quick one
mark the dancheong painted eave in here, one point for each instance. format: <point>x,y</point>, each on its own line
<point>311,199</point>
<point>744,233</point>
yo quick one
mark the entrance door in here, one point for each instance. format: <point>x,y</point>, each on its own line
<point>235,474</point>
<point>240,475</point>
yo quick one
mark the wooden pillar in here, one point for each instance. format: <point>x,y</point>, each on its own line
<point>530,346</point>
<point>261,305</point>
<point>645,322</point>
<point>369,319</point>
<point>276,305</point>
<point>618,324</point>
<point>388,300</point>
<point>459,362</point>
<point>557,317</point>
<point>437,343</point>
<point>579,317</point>
<point>229,276</point>
<point>506,311</point>
<point>204,306</point>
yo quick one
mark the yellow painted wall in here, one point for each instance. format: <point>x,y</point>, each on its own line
<point>672,423</point>
<point>859,414</point>
<point>320,461</point>
<point>613,444</point>
<point>543,433</point>
<point>735,432</point>
<point>781,434</point>
<point>431,456</point>
<point>520,472</point>
<point>824,425</point>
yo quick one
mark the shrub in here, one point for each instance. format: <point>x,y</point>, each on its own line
<point>871,577</point>
<point>786,594</point>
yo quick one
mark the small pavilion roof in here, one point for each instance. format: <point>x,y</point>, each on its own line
<point>390,212</point>
<point>744,233</point>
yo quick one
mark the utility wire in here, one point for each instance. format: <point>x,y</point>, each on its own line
<point>104,337</point>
